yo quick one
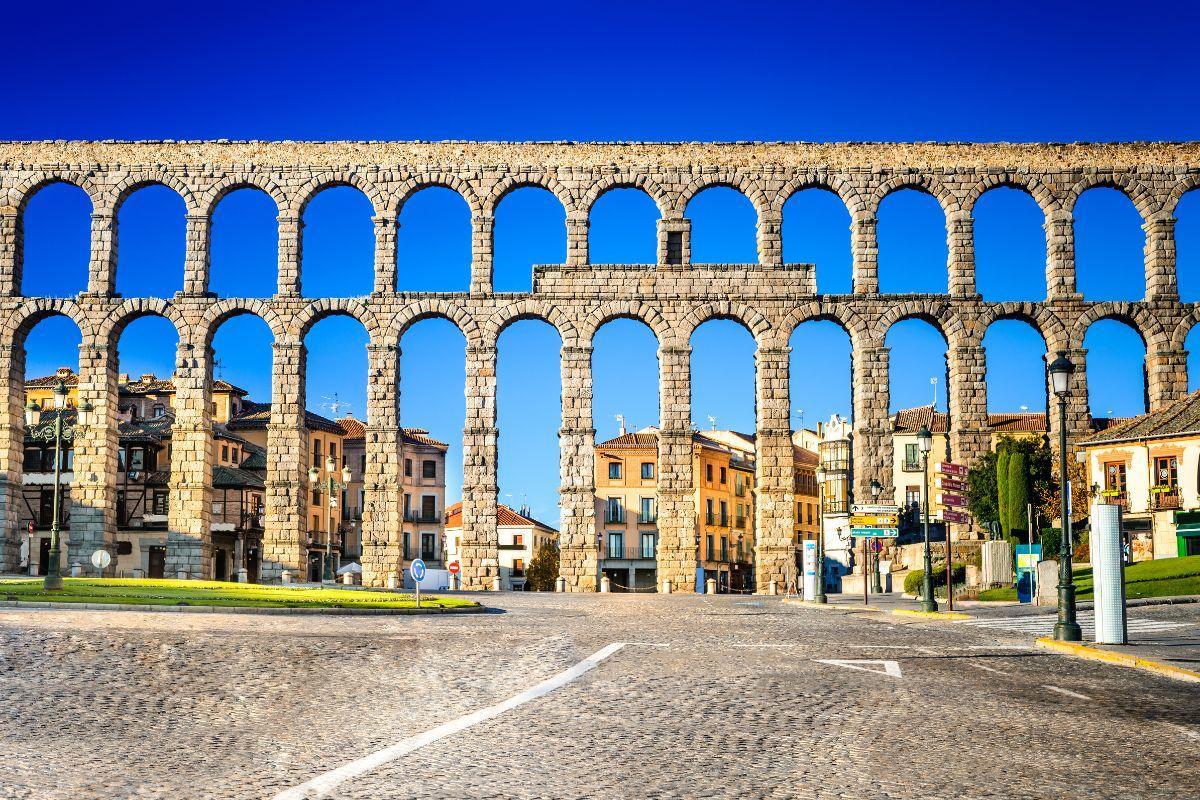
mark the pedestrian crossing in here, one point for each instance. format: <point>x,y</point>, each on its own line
<point>1043,624</point>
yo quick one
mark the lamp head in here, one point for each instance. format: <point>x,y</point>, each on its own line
<point>1060,370</point>
<point>32,413</point>
<point>346,474</point>
<point>330,464</point>
<point>925,439</point>
<point>85,413</point>
<point>876,488</point>
<point>313,476</point>
<point>60,395</point>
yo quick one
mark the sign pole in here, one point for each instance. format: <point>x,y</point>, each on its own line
<point>866,601</point>
<point>949,573</point>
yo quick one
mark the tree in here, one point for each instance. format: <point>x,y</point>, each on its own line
<point>1081,493</point>
<point>1018,496</point>
<point>1002,486</point>
<point>982,492</point>
<point>988,483</point>
<point>542,571</point>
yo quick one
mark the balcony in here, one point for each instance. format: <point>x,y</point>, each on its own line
<point>627,552</point>
<point>612,517</point>
<point>421,516</point>
<point>739,523</point>
<point>1166,500</point>
<point>911,466</point>
<point>1114,498</point>
<point>739,490</point>
<point>648,519</point>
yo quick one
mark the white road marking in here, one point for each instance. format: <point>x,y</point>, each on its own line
<point>323,785</point>
<point>1067,692</point>
<point>1044,624</point>
<point>781,646</point>
<point>889,667</point>
<point>986,668</point>
<point>647,644</point>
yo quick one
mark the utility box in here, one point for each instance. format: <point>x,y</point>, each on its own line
<point>1108,574</point>
<point>997,559</point>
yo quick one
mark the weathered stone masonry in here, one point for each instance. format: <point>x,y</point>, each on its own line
<point>672,297</point>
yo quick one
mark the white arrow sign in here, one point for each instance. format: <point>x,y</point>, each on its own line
<point>864,665</point>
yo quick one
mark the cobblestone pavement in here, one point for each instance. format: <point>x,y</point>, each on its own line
<point>710,697</point>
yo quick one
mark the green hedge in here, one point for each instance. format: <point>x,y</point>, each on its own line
<point>912,581</point>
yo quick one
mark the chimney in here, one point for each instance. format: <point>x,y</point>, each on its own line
<point>123,378</point>
<point>63,372</point>
<point>147,377</point>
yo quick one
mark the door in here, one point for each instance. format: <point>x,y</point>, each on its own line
<point>220,567</point>
<point>252,565</point>
<point>157,562</point>
<point>43,556</point>
<point>1191,545</point>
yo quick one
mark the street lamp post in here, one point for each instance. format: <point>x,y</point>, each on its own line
<point>876,584</point>
<point>925,442</point>
<point>820,472</point>
<point>1067,628</point>
<point>332,487</point>
<point>700,573</point>
<point>56,434</point>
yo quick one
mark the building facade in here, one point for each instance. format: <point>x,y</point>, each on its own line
<point>1150,467</point>
<point>521,536</point>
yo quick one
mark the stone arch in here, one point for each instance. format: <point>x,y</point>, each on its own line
<point>111,328</point>
<point>920,181</point>
<point>749,318</point>
<point>624,181</point>
<point>439,308</point>
<point>849,194</point>
<point>815,311</point>
<point>520,180</point>
<point>624,309</point>
<point>941,316</point>
<point>532,309</point>
<point>1142,198</point>
<point>1047,324</point>
<point>301,323</point>
<point>213,196</point>
<point>445,180</point>
<point>222,311</point>
<point>120,192</point>
<point>1030,184</point>
<point>1171,204</point>
<point>728,178</point>
<point>22,320</point>
<point>1181,331</point>
<point>303,196</point>
<point>20,195</point>
<point>1145,323</point>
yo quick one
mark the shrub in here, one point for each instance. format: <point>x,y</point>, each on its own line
<point>912,581</point>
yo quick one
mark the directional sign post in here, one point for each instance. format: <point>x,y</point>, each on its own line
<point>417,570</point>
<point>453,568</point>
<point>953,479</point>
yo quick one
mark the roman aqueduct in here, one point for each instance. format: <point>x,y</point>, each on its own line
<point>673,297</point>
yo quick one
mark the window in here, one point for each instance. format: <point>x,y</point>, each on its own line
<point>317,458</point>
<point>46,507</point>
<point>407,467</point>
<point>708,542</point>
<point>912,495</point>
<point>724,548</point>
<point>722,476</point>
<point>708,472</point>
<point>137,459</point>
<point>613,510</point>
<point>316,497</point>
<point>724,514</point>
<point>1114,482</point>
<point>218,508</point>
<point>616,545</point>
<point>333,450</point>
<point>317,446</point>
<point>429,546</point>
<point>912,456</point>
<point>407,505</point>
<point>122,509</point>
<point>647,470</point>
<point>160,503</point>
<point>224,452</point>
<point>35,460</point>
<point>518,569</point>
<point>1166,482</point>
<point>362,463</point>
<point>649,545</point>
<point>429,469</point>
<point>316,522</point>
<point>810,518</point>
<point>518,540</point>
<point>159,410</point>
<point>428,507</point>
<point>614,470</point>
<point>212,408</point>
<point>646,513</point>
<point>407,549</point>
<point>708,511</point>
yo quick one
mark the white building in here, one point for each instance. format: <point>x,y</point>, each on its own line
<point>519,534</point>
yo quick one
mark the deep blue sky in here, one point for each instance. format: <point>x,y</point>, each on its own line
<point>601,71</point>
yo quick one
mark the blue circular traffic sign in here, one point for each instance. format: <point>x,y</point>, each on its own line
<point>417,570</point>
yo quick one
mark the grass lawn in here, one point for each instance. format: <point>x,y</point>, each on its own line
<point>1163,577</point>
<point>216,593</point>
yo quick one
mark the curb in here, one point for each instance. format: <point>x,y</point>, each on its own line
<point>332,612</point>
<point>932,616</point>
<point>829,606</point>
<point>1085,651</point>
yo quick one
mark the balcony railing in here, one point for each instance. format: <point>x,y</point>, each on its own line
<point>648,519</point>
<point>739,490</point>
<point>739,522</point>
<point>1116,499</point>
<point>1166,500</point>
<point>630,552</point>
<point>420,516</point>
<point>836,506</point>
<point>911,466</point>
<point>612,517</point>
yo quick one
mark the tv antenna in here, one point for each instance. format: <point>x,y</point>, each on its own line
<point>621,421</point>
<point>712,421</point>
<point>799,412</point>
<point>334,404</point>
<point>933,382</point>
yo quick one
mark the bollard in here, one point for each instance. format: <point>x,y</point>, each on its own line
<point>348,579</point>
<point>138,572</point>
<point>666,586</point>
<point>605,585</point>
<point>76,570</point>
<point>285,577</point>
<point>710,586</point>
<point>496,584</point>
<point>391,581</point>
<point>773,588</point>
<point>560,584</point>
<point>243,576</point>
<point>181,575</point>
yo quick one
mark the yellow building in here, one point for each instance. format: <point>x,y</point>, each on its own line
<point>1148,466</point>
<point>627,508</point>
<point>804,464</point>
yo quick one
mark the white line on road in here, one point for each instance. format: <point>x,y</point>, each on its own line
<point>763,644</point>
<point>1067,692</point>
<point>322,785</point>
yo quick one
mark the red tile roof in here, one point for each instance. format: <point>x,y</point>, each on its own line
<point>1023,422</point>
<point>504,514</point>
<point>913,419</point>
<point>146,384</point>
<point>631,441</point>
<point>353,428</point>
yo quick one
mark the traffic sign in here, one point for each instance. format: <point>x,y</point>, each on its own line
<point>417,570</point>
<point>947,468</point>
<point>101,559</point>
<point>956,500</point>
<point>859,508</point>
<point>453,567</point>
<point>882,533</point>
<point>950,484</point>
<point>875,521</point>
<point>957,517</point>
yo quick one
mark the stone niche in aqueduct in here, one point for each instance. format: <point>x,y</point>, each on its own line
<point>673,296</point>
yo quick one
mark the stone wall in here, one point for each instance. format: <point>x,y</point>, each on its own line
<point>672,297</point>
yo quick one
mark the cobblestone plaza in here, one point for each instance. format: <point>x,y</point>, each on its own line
<point>710,697</point>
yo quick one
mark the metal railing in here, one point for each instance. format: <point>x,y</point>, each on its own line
<point>631,551</point>
<point>1166,500</point>
<point>420,516</point>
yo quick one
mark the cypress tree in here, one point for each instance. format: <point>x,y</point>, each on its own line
<point>1002,490</point>
<point>1018,490</point>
